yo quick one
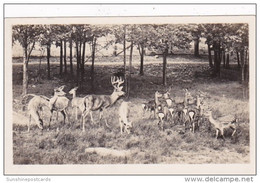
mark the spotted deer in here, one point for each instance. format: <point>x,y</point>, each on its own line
<point>101,102</point>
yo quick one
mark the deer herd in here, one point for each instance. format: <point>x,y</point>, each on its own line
<point>186,110</point>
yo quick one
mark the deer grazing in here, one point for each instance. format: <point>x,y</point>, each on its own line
<point>220,126</point>
<point>101,102</point>
<point>36,105</point>
<point>76,102</point>
<point>125,124</point>
<point>59,103</point>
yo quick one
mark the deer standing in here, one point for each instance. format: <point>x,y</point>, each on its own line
<point>125,124</point>
<point>181,103</point>
<point>194,108</point>
<point>101,102</point>
<point>59,103</point>
<point>169,102</point>
<point>220,126</point>
<point>152,104</point>
<point>76,102</point>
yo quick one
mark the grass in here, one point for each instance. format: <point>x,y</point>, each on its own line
<point>66,144</point>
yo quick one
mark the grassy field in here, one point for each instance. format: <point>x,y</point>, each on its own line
<point>147,144</point>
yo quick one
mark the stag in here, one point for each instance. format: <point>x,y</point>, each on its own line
<point>101,102</point>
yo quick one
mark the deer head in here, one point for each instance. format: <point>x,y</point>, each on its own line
<point>59,91</point>
<point>116,82</point>
<point>73,90</point>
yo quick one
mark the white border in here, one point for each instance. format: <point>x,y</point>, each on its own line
<point>84,10</point>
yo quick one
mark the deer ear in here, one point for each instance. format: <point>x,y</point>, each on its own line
<point>76,88</point>
<point>62,87</point>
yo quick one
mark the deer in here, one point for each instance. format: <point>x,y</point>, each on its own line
<point>180,104</point>
<point>125,124</point>
<point>195,111</point>
<point>169,102</point>
<point>101,102</point>
<point>152,104</point>
<point>35,106</point>
<point>220,126</point>
<point>59,103</point>
<point>76,102</point>
<point>161,115</point>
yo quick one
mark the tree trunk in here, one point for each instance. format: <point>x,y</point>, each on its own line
<point>78,61</point>
<point>61,55</point>
<point>238,62</point>
<point>25,72</point>
<point>224,59</point>
<point>242,66</point>
<point>65,55</point>
<point>83,61</point>
<point>93,62</point>
<point>48,61</point>
<point>26,57</point>
<point>210,57</point>
<point>227,63</point>
<point>217,60</point>
<point>130,68</point>
<point>165,53</point>
<point>115,51</point>
<point>196,47</point>
<point>141,52</point>
<point>124,47</point>
<point>71,63</point>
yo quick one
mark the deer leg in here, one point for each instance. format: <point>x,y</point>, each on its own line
<point>57,117</point>
<point>39,120</point>
<point>50,118</point>
<point>233,132</point>
<point>76,114</point>
<point>29,123</point>
<point>217,133</point>
<point>222,134</point>
<point>100,114</point>
<point>91,117</point>
<point>84,115</point>
<point>64,116</point>
<point>121,126</point>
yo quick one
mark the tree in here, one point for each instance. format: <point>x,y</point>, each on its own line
<point>96,31</point>
<point>196,30</point>
<point>47,38</point>
<point>169,36</point>
<point>27,36</point>
<point>215,38</point>
<point>63,33</point>
<point>140,36</point>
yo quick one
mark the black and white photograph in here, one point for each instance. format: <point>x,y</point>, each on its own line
<point>143,91</point>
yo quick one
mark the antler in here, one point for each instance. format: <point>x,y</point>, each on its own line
<point>116,82</point>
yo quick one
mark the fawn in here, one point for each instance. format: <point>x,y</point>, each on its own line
<point>76,102</point>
